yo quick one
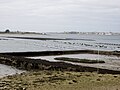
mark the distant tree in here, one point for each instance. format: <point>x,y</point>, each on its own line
<point>7,31</point>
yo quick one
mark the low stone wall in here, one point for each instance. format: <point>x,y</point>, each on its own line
<point>48,53</point>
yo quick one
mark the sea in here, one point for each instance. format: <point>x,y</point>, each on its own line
<point>75,42</point>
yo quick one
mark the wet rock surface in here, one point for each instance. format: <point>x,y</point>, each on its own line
<point>39,64</point>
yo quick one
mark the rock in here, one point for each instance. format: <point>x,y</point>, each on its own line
<point>115,76</point>
<point>74,81</point>
<point>98,79</point>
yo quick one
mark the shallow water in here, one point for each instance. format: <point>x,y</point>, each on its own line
<point>81,56</point>
<point>108,43</point>
<point>111,62</point>
<point>8,70</point>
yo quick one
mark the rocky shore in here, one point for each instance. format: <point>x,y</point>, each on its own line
<point>46,75</point>
<point>20,61</point>
<point>57,80</point>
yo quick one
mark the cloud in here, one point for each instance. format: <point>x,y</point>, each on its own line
<point>51,15</point>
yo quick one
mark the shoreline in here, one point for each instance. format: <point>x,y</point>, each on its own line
<point>46,75</point>
<point>19,60</point>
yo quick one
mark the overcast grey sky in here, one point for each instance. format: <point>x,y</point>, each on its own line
<point>60,15</point>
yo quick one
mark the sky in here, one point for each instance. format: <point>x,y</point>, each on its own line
<point>60,15</point>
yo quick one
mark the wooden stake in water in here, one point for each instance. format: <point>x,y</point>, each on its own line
<point>98,59</point>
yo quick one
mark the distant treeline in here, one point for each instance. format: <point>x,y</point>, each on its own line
<point>19,32</point>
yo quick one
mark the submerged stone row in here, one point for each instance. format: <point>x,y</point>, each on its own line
<point>48,53</point>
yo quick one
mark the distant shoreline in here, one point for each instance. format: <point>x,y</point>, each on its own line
<point>80,33</point>
<point>22,33</point>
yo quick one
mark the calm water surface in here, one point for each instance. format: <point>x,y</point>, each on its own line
<point>94,42</point>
